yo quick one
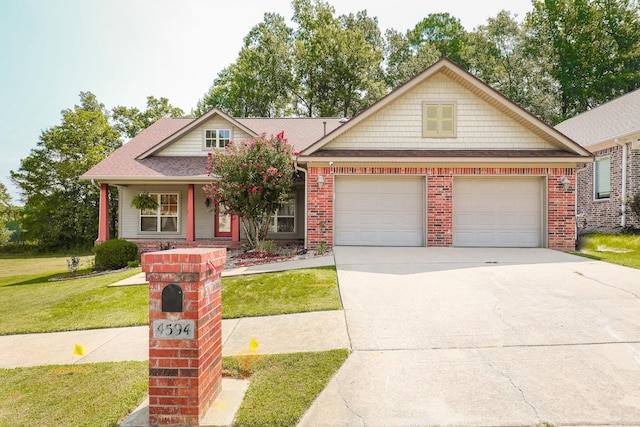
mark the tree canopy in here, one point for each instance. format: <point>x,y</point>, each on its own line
<point>60,210</point>
<point>565,57</point>
<point>130,121</point>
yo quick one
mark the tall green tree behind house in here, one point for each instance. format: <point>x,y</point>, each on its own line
<point>404,61</point>
<point>130,121</point>
<point>327,66</point>
<point>594,49</point>
<point>259,83</point>
<point>501,53</point>
<point>444,32</point>
<point>60,210</point>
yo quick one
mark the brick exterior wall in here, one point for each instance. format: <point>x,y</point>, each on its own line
<point>185,375</point>
<point>561,203</point>
<point>605,214</point>
<point>153,245</point>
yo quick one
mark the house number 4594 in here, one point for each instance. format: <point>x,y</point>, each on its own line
<point>174,329</point>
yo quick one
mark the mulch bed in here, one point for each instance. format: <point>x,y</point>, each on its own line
<point>246,259</point>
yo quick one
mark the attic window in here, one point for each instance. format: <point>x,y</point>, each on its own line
<point>438,119</point>
<point>216,138</point>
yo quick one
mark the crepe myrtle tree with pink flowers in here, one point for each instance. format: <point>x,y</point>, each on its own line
<point>252,180</point>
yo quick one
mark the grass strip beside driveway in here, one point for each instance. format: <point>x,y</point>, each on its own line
<point>622,249</point>
<point>293,291</point>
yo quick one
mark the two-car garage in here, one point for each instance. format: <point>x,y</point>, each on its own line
<point>391,211</point>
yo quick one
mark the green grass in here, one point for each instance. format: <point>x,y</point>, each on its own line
<point>88,303</point>
<point>282,388</point>
<point>97,394</point>
<point>293,291</point>
<point>623,249</point>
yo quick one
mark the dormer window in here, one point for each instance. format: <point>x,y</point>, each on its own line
<point>438,119</point>
<point>216,138</point>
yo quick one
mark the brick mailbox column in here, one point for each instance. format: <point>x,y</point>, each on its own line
<point>185,334</point>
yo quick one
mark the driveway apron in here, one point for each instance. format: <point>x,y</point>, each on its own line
<point>452,336</point>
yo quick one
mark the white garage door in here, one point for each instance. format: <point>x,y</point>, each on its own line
<point>498,212</point>
<point>379,211</point>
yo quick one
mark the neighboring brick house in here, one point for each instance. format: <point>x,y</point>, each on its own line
<point>443,160</point>
<point>612,133</point>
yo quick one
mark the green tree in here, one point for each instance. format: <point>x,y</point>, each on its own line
<point>130,121</point>
<point>337,61</point>
<point>260,82</point>
<point>403,61</point>
<point>5,214</point>
<point>444,32</point>
<point>252,180</point>
<point>594,47</point>
<point>60,210</point>
<point>501,54</point>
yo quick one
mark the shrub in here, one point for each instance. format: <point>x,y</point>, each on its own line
<point>268,246</point>
<point>115,254</point>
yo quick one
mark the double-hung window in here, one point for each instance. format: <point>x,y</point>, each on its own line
<point>438,119</point>
<point>284,221</point>
<point>165,217</point>
<point>602,178</point>
<point>216,138</point>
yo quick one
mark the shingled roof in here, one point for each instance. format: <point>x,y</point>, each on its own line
<point>615,119</point>
<point>128,163</point>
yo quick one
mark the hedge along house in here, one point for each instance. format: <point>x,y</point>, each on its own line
<point>612,133</point>
<point>168,160</point>
<point>443,160</point>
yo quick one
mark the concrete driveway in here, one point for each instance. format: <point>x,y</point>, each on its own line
<point>493,337</point>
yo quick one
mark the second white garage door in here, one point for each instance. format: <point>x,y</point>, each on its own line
<point>379,211</point>
<point>498,212</point>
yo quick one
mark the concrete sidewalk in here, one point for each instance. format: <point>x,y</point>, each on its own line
<point>289,333</point>
<point>311,262</point>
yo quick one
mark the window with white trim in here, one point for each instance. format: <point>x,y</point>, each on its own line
<point>163,219</point>
<point>284,220</point>
<point>602,178</point>
<point>438,119</point>
<point>216,138</point>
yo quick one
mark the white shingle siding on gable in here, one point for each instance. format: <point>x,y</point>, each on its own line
<point>479,125</point>
<point>192,144</point>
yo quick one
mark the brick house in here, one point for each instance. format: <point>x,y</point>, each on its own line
<point>443,160</point>
<point>612,133</point>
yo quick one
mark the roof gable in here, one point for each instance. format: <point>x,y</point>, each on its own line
<point>486,119</point>
<point>214,115</point>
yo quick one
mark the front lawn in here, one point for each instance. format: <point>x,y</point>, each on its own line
<point>623,249</point>
<point>96,394</point>
<point>282,388</point>
<point>88,303</point>
<point>293,291</point>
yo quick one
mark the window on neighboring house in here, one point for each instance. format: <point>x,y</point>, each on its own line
<point>438,119</point>
<point>284,221</point>
<point>602,178</point>
<point>164,218</point>
<point>216,138</point>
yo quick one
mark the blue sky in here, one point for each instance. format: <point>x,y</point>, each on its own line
<point>126,50</point>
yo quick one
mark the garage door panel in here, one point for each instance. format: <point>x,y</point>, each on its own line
<point>497,212</point>
<point>379,211</point>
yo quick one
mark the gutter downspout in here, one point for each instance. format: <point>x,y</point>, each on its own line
<point>306,184</point>
<point>623,195</point>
